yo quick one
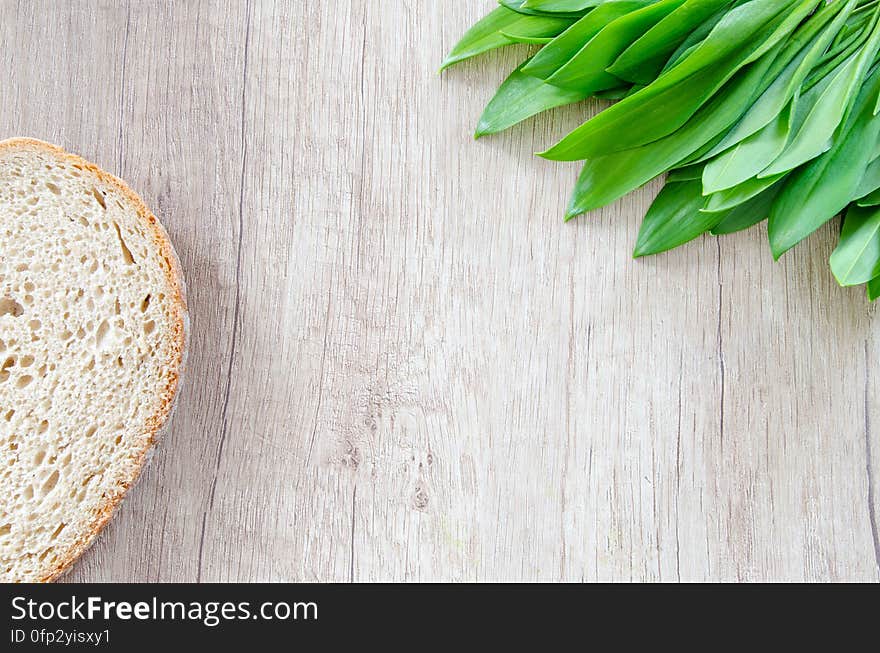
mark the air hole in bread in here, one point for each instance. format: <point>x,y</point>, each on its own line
<point>99,197</point>
<point>101,334</point>
<point>11,307</point>
<point>126,252</point>
<point>50,483</point>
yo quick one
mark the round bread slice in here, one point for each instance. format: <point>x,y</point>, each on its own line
<point>93,329</point>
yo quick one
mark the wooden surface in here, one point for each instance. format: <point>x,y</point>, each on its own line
<point>404,366</point>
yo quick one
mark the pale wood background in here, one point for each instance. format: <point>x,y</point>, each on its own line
<point>404,366</point>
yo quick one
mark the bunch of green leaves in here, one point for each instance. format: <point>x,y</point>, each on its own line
<point>753,109</point>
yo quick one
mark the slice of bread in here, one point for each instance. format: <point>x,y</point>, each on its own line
<point>93,329</point>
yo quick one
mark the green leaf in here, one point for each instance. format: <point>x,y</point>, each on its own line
<point>874,289</point>
<point>686,173</point>
<point>749,30</point>
<point>748,213</point>
<point>556,53</point>
<point>674,219</point>
<point>519,97</point>
<point>815,133</point>
<point>698,156</point>
<point>585,71</point>
<point>560,6</point>
<point>642,62</point>
<point>527,40</point>
<point>817,192</point>
<point>667,104</point>
<point>788,72</point>
<point>834,57</point>
<point>870,180</point>
<point>693,41</point>
<point>745,160</point>
<point>617,93</point>
<point>488,33</point>
<point>730,198</point>
<point>871,199</point>
<point>857,258</point>
<point>576,10</point>
<point>607,178</point>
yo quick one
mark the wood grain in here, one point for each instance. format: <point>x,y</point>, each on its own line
<point>404,366</point>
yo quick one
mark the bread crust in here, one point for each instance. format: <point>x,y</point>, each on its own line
<point>157,424</point>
